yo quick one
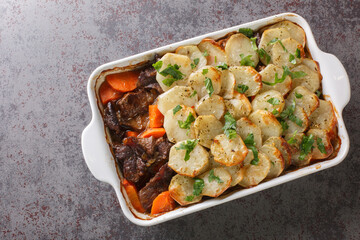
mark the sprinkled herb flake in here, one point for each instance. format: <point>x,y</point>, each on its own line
<point>212,177</point>
<point>247,32</point>
<point>250,144</point>
<point>230,126</point>
<point>246,61</point>
<point>320,145</point>
<point>176,109</point>
<point>189,146</point>
<point>241,88</point>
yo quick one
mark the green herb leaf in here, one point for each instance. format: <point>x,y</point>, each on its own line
<point>176,109</point>
<point>189,198</point>
<point>284,125</point>
<point>187,123</point>
<point>196,62</point>
<point>306,146</point>
<point>224,66</point>
<point>297,53</point>
<point>247,32</point>
<point>275,112</point>
<point>289,113</point>
<point>173,71</point>
<point>158,65</point>
<point>246,61</point>
<point>205,71</point>
<point>298,74</point>
<point>188,145</point>
<point>230,126</point>
<point>205,54</point>
<point>273,101</point>
<point>241,88</point>
<point>296,120</point>
<point>250,144</point>
<point>286,72</point>
<point>276,40</point>
<point>193,94</point>
<point>249,140</point>
<point>263,54</point>
<point>168,81</point>
<point>318,93</point>
<point>292,140</point>
<point>215,59</point>
<point>212,177</point>
<point>292,58</point>
<point>320,145</point>
<point>298,95</point>
<point>198,186</point>
<point>209,86</point>
<point>253,43</point>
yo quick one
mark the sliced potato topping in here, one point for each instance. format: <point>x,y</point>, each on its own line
<point>244,127</point>
<point>293,126</point>
<point>197,80</point>
<point>296,32</point>
<point>249,77</point>
<point>215,54</point>
<point>207,127</point>
<point>283,53</point>
<point>269,125</point>
<point>227,84</point>
<point>237,171</point>
<point>322,147</point>
<point>276,159</point>
<point>268,75</point>
<point>294,140</point>
<point>271,101</point>
<point>239,106</point>
<point>216,181</point>
<point>178,95</point>
<point>197,59</point>
<point>213,105</point>
<point>254,174</point>
<point>181,189</point>
<point>237,47</point>
<point>323,117</point>
<point>308,100</point>
<point>282,146</point>
<point>311,80</point>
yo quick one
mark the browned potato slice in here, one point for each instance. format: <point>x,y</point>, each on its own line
<point>311,81</point>
<point>245,75</point>
<point>271,101</point>
<point>254,174</point>
<point>171,124</point>
<point>237,171</point>
<point>313,65</point>
<point>227,84</point>
<point>309,101</point>
<point>269,125</point>
<point>236,45</point>
<point>244,127</point>
<point>325,142</point>
<point>295,149</point>
<point>207,127</point>
<point>282,146</point>
<point>178,95</point>
<point>239,106</point>
<point>193,53</point>
<point>323,117</point>
<point>172,58</point>
<point>216,181</point>
<point>277,161</point>
<point>268,75</point>
<point>197,80</point>
<point>296,32</point>
<point>213,105</point>
<point>281,56</point>
<point>214,52</point>
<point>197,163</point>
<point>293,127</point>
<point>228,152</point>
<point>180,188</point>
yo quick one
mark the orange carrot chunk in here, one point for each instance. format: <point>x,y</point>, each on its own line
<point>155,132</point>
<point>107,93</point>
<point>155,117</point>
<point>123,82</point>
<point>131,134</point>
<point>133,195</point>
<point>163,203</point>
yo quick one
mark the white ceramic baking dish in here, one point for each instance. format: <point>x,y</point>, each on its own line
<point>98,157</point>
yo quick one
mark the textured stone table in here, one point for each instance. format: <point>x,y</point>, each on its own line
<point>48,50</point>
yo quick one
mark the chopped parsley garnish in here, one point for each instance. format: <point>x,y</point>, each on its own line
<point>230,126</point>
<point>196,62</point>
<point>246,61</point>
<point>198,186</point>
<point>292,58</point>
<point>320,145</point>
<point>275,112</point>
<point>273,101</point>
<point>205,54</point>
<point>169,81</point>
<point>276,40</point>
<point>289,113</point>
<point>212,177</point>
<point>189,198</point>
<point>205,71</point>
<point>284,125</point>
<point>286,72</point>
<point>186,124</point>
<point>297,53</point>
<point>215,59</point>
<point>250,144</point>
<point>247,32</point>
<point>262,53</point>
<point>318,93</point>
<point>209,86</point>
<point>253,43</point>
<point>306,146</point>
<point>292,140</point>
<point>188,145</point>
<point>224,66</point>
<point>193,93</point>
<point>158,65</point>
<point>173,71</point>
<point>298,95</point>
<point>241,88</point>
<point>298,74</point>
<point>176,109</point>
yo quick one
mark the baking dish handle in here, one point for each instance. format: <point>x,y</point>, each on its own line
<point>339,89</point>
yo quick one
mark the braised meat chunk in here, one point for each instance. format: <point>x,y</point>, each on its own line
<point>146,77</point>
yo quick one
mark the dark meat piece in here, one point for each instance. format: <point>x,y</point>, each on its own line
<point>161,155</point>
<point>122,152</point>
<point>155,86</point>
<point>137,123</point>
<point>258,38</point>
<point>163,147</point>
<point>158,184</point>
<point>146,145</point>
<point>134,169</point>
<point>110,118</point>
<point>147,76</point>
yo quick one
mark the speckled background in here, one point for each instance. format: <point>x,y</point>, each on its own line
<point>48,50</point>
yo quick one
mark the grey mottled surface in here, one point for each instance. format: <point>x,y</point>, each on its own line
<point>48,50</point>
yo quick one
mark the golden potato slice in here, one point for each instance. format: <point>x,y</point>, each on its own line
<point>254,174</point>
<point>228,152</point>
<point>216,181</point>
<point>296,32</point>
<point>293,126</point>
<point>311,80</point>
<point>181,190</point>
<point>172,126</point>
<point>313,65</point>
<point>239,106</point>
<point>267,122</point>
<point>197,163</point>
<point>213,105</point>
<point>294,141</point>
<point>215,54</point>
<point>171,58</point>
<point>244,127</point>
<point>271,101</point>
<point>207,127</point>
<point>227,84</point>
<point>178,95</point>
<point>281,56</point>
<point>248,76</point>
<point>322,145</point>
<point>308,100</point>
<point>268,75</point>
<point>277,161</point>
<point>323,117</point>
<point>197,59</point>
<point>197,80</point>
<point>282,146</point>
<point>239,44</point>
<point>237,171</point>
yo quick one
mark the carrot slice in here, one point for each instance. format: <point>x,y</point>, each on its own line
<point>131,134</point>
<point>133,195</point>
<point>123,82</point>
<point>107,93</point>
<point>155,117</point>
<point>155,132</point>
<point>163,203</point>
